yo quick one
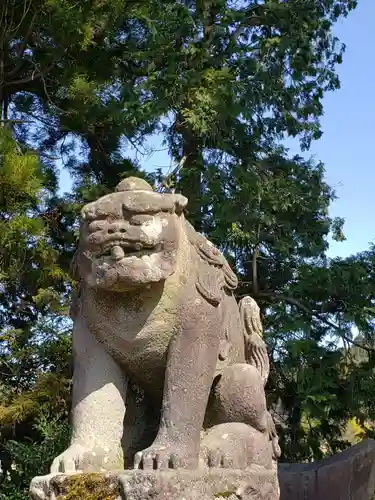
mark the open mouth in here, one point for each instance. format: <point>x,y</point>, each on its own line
<point>117,250</point>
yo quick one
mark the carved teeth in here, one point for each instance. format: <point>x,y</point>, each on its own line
<point>117,253</point>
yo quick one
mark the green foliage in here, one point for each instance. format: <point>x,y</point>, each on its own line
<point>20,185</point>
<point>234,80</point>
<point>34,401</point>
<point>323,376</point>
<point>32,458</point>
<point>20,180</point>
<point>225,82</point>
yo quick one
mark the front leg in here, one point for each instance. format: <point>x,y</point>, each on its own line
<point>98,407</point>
<point>190,370</point>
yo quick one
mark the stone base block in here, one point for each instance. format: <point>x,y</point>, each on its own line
<point>255,483</point>
<point>349,475</point>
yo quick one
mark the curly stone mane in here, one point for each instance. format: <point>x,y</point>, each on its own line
<point>214,277</point>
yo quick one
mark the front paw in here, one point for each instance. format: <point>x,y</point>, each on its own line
<point>78,458</point>
<point>68,461</point>
<point>166,455</point>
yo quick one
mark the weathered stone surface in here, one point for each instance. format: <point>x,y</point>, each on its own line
<point>256,483</point>
<point>349,475</point>
<point>169,371</point>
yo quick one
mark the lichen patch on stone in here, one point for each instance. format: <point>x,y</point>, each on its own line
<point>92,486</point>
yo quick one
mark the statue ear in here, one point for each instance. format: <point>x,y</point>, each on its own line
<point>180,203</point>
<point>210,283</point>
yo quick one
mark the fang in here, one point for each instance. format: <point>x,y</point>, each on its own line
<point>117,253</point>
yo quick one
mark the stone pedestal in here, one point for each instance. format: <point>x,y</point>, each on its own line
<point>255,483</point>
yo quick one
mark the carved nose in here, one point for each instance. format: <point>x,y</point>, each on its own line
<point>117,227</point>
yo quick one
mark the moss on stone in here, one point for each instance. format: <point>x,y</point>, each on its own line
<point>226,494</point>
<point>93,486</point>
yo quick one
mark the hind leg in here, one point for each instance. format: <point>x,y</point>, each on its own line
<point>238,396</point>
<point>235,446</point>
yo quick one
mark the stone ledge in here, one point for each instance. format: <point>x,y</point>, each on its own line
<point>255,483</point>
<point>349,475</point>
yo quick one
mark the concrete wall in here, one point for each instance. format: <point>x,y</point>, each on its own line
<point>349,475</point>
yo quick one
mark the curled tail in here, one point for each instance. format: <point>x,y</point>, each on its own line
<point>255,347</point>
<point>256,355</point>
<point>273,437</point>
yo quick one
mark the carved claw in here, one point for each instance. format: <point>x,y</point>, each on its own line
<point>68,461</point>
<point>163,456</point>
<point>226,459</point>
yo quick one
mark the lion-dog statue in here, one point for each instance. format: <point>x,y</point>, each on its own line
<point>169,371</point>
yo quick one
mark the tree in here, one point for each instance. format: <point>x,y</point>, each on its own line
<point>225,82</point>
<point>269,63</point>
<point>32,286</point>
<point>41,46</point>
<point>324,375</point>
<point>235,79</point>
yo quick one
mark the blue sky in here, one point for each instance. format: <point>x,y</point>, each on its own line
<point>345,147</point>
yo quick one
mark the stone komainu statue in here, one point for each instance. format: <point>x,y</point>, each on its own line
<point>169,370</point>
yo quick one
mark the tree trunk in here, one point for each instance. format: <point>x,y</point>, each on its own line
<point>191,175</point>
<point>190,178</point>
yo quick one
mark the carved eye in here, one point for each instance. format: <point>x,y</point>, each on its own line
<point>88,215</point>
<point>138,220</point>
<point>97,225</point>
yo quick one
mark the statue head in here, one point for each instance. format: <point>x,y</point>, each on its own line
<point>129,238</point>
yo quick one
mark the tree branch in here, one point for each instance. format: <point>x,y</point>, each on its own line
<point>26,9</point>
<point>254,267</point>
<point>30,78</point>
<point>175,171</point>
<point>295,302</point>
<point>21,49</point>
<point>254,19</point>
